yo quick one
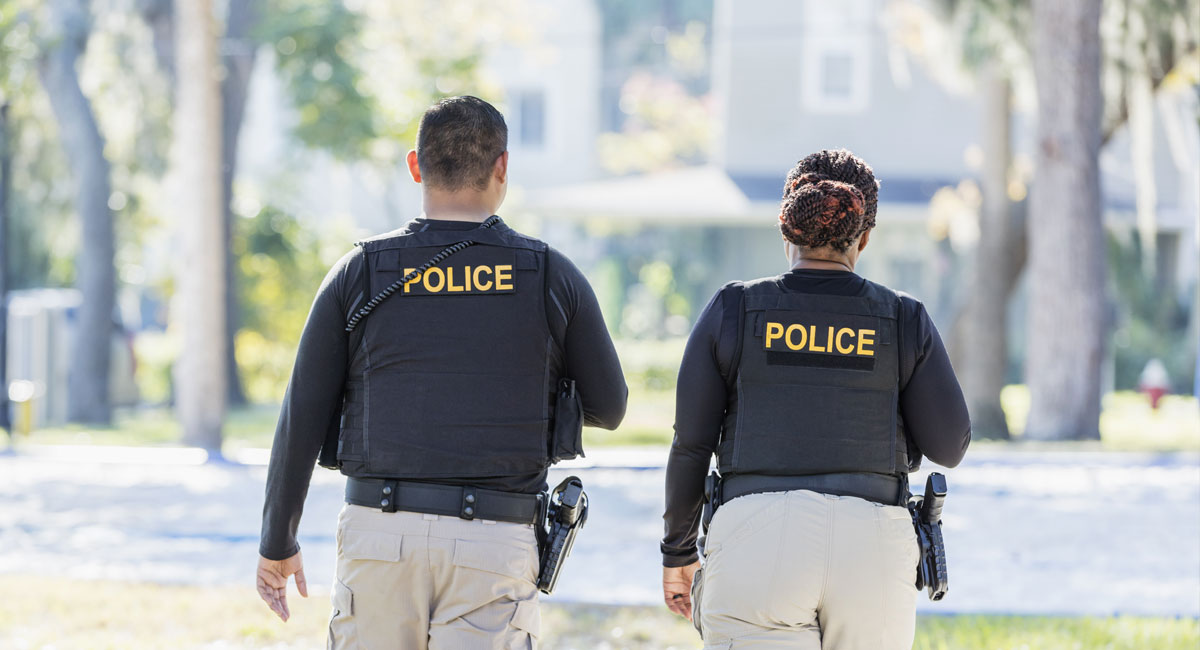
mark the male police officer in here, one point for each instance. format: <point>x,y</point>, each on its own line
<point>444,398</point>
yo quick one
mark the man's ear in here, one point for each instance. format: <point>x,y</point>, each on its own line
<point>500,169</point>
<point>413,167</point>
<point>862,242</point>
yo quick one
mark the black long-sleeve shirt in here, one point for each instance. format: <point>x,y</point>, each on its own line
<point>314,395</point>
<point>931,402</point>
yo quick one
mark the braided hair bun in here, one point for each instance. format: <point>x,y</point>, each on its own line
<point>829,200</point>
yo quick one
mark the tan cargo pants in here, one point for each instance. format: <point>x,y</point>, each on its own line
<point>411,581</point>
<point>803,570</point>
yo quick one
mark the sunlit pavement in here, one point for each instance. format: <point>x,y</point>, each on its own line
<point>1054,533</point>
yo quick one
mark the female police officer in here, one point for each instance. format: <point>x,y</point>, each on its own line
<point>818,391</point>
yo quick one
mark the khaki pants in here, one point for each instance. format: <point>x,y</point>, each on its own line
<point>810,571</point>
<point>412,581</point>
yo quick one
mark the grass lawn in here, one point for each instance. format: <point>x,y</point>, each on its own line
<point>1127,424</point>
<point>60,613</point>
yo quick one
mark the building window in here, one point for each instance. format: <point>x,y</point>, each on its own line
<point>531,113</point>
<point>835,57</point>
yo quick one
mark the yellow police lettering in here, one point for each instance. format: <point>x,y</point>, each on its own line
<point>467,277</point>
<point>450,286</point>
<point>479,284</point>
<point>503,274</point>
<point>812,343</point>
<point>412,281</point>
<point>842,333</point>
<point>440,283</point>
<point>866,339</point>
<point>774,331</point>
<point>788,337</point>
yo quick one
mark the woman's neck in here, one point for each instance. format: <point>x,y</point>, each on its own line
<point>820,259</point>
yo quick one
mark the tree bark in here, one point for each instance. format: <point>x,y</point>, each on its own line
<point>238,56</point>
<point>1067,321</point>
<point>94,274</point>
<point>998,261</point>
<point>200,374</point>
<point>5,184</point>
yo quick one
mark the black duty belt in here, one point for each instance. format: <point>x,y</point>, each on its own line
<point>464,502</point>
<point>887,490</point>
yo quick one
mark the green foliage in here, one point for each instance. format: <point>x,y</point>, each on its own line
<point>1151,320</point>
<point>40,210</point>
<point>314,43</point>
<point>281,262</point>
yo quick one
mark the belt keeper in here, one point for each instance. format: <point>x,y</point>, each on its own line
<point>469,502</point>
<point>387,496</point>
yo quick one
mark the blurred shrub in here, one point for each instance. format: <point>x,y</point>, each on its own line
<point>155,352</point>
<point>650,365</point>
<point>281,263</point>
<point>1151,319</point>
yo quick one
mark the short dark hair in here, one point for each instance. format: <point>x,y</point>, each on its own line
<point>458,141</point>
<point>829,199</point>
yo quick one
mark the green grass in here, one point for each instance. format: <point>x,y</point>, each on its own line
<point>1127,424</point>
<point>43,613</point>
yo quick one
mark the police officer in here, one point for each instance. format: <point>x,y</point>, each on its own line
<point>443,396</point>
<point>818,391</point>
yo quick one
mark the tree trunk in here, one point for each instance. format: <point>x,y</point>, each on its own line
<point>5,184</point>
<point>1067,316</point>
<point>239,55</point>
<point>998,261</point>
<point>94,274</point>
<point>200,375</point>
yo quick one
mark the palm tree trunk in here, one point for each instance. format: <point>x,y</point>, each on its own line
<point>5,184</point>
<point>200,374</point>
<point>94,274</point>
<point>239,58</point>
<point>1067,319</point>
<point>998,261</point>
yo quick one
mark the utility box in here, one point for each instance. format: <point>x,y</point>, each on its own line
<point>39,348</point>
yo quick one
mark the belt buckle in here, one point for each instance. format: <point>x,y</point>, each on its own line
<point>466,509</point>
<point>387,496</point>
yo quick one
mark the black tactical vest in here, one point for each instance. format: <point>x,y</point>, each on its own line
<point>816,386</point>
<point>452,375</point>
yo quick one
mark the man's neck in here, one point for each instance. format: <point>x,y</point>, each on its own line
<point>455,208</point>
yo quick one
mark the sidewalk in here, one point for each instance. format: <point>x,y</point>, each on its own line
<point>1028,532</point>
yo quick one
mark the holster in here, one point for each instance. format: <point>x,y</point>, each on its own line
<point>712,500</point>
<point>565,513</point>
<point>926,511</point>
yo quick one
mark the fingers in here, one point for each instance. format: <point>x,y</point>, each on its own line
<point>271,596</point>
<point>680,604</point>
<point>301,583</point>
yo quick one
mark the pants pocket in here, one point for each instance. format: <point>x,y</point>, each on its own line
<point>343,632</point>
<point>528,622</point>
<point>697,594</point>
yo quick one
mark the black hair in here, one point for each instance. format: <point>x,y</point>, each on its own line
<point>830,199</point>
<point>458,142</point>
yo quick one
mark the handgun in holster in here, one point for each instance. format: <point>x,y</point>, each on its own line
<point>712,500</point>
<point>927,518</point>
<point>564,514</point>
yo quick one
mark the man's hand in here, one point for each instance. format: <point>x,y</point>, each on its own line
<point>677,588</point>
<point>273,578</point>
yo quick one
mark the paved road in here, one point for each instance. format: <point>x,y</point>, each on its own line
<point>1064,533</point>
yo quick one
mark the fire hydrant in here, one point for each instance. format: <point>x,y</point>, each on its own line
<point>1154,382</point>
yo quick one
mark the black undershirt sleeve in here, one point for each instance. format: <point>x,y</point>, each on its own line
<point>311,404</point>
<point>589,356</point>
<point>701,397</point>
<point>931,401</point>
